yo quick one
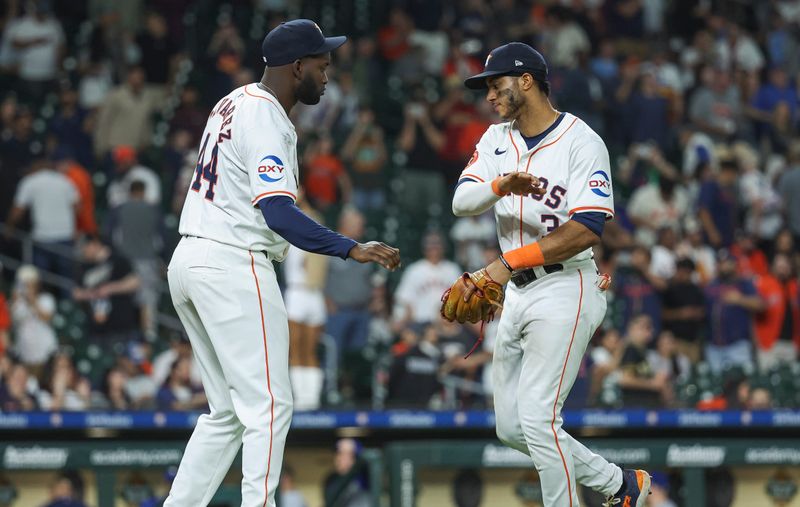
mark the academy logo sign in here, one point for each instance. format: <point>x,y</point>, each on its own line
<point>270,169</point>
<point>600,184</point>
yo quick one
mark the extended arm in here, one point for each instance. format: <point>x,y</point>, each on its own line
<point>474,197</point>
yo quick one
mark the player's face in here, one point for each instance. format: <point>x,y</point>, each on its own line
<point>313,79</point>
<point>505,96</point>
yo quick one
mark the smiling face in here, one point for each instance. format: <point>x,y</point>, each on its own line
<point>313,78</point>
<point>505,95</point>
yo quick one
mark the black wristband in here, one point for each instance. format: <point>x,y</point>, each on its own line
<point>505,263</point>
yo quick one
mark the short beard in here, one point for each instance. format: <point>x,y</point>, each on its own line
<point>513,103</point>
<point>307,91</point>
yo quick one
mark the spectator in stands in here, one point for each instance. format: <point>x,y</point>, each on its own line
<point>789,190</point>
<point>114,391</point>
<point>760,399</point>
<point>421,137</point>
<point>637,289</point>
<point>14,390</point>
<point>37,48</point>
<point>365,154</point>
<point>715,108</point>
<point>52,201</point>
<point>346,485</point>
<point>731,302</point>
<point>692,247</point>
<point>290,496</point>
<point>423,282</point>
<point>777,327</point>
<point>367,70</point>
<point>659,491</point>
<point>641,386</point>
<point>178,392</point>
<point>305,275</point>
<point>72,127</point>
<point>66,491</point>
<point>684,310</point>
<point>644,163</point>
<point>750,260</point>
<point>774,108</point>
<point>155,49</point>
<point>393,38</point>
<point>735,48</point>
<point>325,180</point>
<point>162,363</point>
<point>605,360</point>
<point>127,169</point>
<point>413,375</point>
<point>656,205</point>
<point>64,387</point>
<point>348,292</point>
<point>759,198</point>
<point>18,145</point>
<point>135,230</point>
<point>472,236</point>
<point>190,115</point>
<point>663,257</point>
<point>668,360</point>
<point>125,118</point>
<point>108,284</point>
<point>718,205</point>
<point>5,325</point>
<point>563,40</point>
<point>32,311</point>
<point>65,163</point>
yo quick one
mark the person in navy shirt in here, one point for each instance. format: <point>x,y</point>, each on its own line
<point>637,291</point>
<point>731,302</point>
<point>717,206</point>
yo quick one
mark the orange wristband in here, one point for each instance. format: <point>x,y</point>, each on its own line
<point>496,187</point>
<point>528,256</point>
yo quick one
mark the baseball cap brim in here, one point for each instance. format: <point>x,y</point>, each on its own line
<point>478,81</point>
<point>330,44</point>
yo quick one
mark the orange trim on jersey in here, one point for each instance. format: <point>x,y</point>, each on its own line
<point>269,386</point>
<point>527,167</point>
<point>282,192</point>
<point>468,175</point>
<point>591,208</point>
<point>260,96</point>
<point>561,381</point>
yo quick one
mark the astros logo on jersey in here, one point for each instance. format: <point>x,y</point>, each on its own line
<point>600,184</point>
<point>272,170</point>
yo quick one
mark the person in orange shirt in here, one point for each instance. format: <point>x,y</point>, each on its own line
<point>326,182</point>
<point>778,326</point>
<point>750,260</point>
<point>5,325</point>
<point>85,222</point>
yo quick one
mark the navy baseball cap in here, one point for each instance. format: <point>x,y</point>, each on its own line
<point>512,59</point>
<point>295,39</point>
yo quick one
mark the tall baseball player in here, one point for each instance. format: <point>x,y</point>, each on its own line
<point>547,175</point>
<point>239,216</point>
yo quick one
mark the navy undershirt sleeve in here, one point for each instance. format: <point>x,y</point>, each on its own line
<point>298,229</point>
<point>594,220</point>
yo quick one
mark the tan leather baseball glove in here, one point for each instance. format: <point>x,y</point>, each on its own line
<point>472,298</point>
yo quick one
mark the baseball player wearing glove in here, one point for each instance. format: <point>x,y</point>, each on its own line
<point>547,176</point>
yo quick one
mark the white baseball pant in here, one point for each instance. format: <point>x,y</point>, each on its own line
<point>229,302</point>
<point>544,330</point>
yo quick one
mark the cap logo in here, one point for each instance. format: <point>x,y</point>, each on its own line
<point>318,28</point>
<point>518,63</point>
<point>487,60</point>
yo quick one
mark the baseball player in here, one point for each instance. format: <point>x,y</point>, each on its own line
<point>547,175</point>
<point>239,216</point>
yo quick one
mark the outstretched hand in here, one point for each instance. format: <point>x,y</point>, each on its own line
<point>520,184</point>
<point>375,251</point>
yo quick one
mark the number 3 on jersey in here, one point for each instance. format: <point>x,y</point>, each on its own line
<point>207,172</point>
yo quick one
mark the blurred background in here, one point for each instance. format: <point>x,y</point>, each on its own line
<point>694,373</point>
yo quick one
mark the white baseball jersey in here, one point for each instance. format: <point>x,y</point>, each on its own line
<point>248,152</point>
<point>572,164</point>
<point>546,325</point>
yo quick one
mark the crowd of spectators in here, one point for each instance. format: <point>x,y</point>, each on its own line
<point>696,101</point>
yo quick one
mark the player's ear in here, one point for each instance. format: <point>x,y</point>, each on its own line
<point>297,69</point>
<point>525,82</point>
